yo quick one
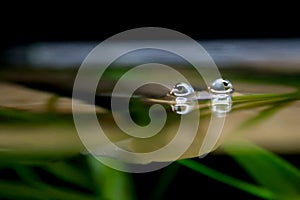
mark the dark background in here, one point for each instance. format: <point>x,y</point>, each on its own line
<point>23,23</point>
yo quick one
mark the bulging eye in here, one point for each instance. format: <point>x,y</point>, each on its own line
<point>221,86</point>
<point>225,83</point>
<point>182,90</point>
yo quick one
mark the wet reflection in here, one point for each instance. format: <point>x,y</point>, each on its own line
<point>184,97</point>
<point>221,104</point>
<point>184,106</point>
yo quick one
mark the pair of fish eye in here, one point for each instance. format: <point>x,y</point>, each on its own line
<point>219,86</point>
<point>219,92</point>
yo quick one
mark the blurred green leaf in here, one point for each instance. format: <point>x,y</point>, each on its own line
<point>269,170</point>
<point>258,100</point>
<point>45,191</point>
<point>17,116</point>
<point>17,190</point>
<point>112,184</point>
<point>72,174</point>
<point>234,182</point>
<point>164,181</point>
<point>265,113</point>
